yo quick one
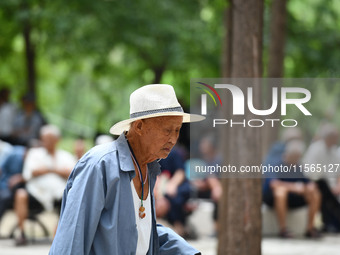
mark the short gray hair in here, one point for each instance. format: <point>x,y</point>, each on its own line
<point>295,147</point>
<point>50,129</point>
<point>292,133</point>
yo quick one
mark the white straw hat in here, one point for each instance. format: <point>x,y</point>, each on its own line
<point>150,101</point>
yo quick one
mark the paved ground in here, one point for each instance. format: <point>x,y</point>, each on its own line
<point>201,220</point>
<point>329,245</point>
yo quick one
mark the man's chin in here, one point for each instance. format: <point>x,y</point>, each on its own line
<point>164,154</point>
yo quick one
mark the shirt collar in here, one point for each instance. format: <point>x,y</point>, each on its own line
<point>125,159</point>
<point>126,163</point>
<point>154,168</point>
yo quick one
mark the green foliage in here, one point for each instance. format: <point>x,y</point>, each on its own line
<point>92,54</point>
<point>311,51</point>
<point>312,48</point>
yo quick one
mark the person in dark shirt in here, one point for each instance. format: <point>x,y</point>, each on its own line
<point>11,177</point>
<point>173,186</point>
<point>27,122</point>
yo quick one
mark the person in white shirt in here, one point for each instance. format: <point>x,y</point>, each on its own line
<point>45,170</point>
<point>323,151</point>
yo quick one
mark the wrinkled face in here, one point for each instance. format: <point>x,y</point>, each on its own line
<point>160,134</point>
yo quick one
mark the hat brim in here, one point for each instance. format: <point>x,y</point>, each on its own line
<point>124,125</point>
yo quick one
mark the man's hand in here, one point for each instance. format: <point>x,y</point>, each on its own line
<point>171,189</point>
<point>216,188</point>
<point>174,182</point>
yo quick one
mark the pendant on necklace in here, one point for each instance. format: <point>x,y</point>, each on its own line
<point>141,212</point>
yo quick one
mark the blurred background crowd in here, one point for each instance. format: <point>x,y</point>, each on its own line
<point>34,170</point>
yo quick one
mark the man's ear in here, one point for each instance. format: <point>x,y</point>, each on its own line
<point>138,126</point>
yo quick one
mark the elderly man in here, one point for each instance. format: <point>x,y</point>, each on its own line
<point>45,171</point>
<point>108,204</point>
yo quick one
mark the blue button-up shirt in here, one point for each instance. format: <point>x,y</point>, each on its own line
<point>97,214</point>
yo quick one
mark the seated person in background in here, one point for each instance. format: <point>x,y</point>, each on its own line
<point>172,191</point>
<point>323,152</point>
<point>5,150</point>
<point>11,177</point>
<point>46,170</point>
<point>27,122</point>
<point>277,149</point>
<point>291,190</point>
<point>7,114</point>
<point>79,147</point>
<point>210,186</point>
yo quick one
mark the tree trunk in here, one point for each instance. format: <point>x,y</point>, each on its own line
<point>275,64</point>
<point>277,38</point>
<point>227,45</point>
<point>158,71</point>
<point>240,206</point>
<point>29,52</point>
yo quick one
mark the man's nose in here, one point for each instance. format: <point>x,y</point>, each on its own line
<point>173,137</point>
